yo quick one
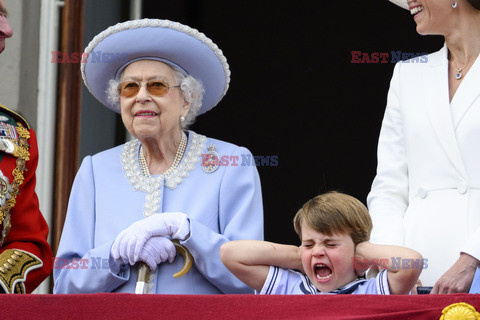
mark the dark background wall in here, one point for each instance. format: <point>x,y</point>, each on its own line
<point>295,93</point>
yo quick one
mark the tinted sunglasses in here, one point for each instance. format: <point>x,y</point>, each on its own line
<point>130,88</point>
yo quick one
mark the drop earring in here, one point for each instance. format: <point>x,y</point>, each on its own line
<point>455,4</point>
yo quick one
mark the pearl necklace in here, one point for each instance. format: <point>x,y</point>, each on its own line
<point>176,160</point>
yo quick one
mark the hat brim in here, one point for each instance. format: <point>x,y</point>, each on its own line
<point>401,3</point>
<point>171,42</point>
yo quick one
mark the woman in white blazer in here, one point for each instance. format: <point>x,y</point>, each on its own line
<point>426,194</point>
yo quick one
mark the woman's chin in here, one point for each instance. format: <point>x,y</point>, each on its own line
<point>421,31</point>
<point>145,131</point>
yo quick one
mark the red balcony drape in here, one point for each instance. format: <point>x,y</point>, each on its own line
<point>211,307</point>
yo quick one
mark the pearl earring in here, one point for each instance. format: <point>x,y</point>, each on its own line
<point>454,5</point>
<point>182,118</point>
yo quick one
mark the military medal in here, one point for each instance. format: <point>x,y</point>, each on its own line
<point>210,160</point>
<point>7,131</point>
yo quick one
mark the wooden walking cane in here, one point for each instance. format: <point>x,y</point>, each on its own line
<point>144,270</point>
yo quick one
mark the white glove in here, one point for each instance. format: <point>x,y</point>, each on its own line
<point>157,250</point>
<point>129,243</point>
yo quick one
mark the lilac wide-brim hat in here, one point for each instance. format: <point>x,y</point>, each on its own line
<point>401,3</point>
<point>178,45</point>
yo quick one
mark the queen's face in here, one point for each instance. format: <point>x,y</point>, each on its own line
<point>327,260</point>
<point>5,30</point>
<point>432,16</point>
<point>148,116</point>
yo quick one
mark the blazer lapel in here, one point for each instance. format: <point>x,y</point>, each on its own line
<point>466,94</point>
<point>438,106</point>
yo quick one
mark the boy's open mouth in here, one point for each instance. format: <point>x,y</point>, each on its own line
<point>322,271</point>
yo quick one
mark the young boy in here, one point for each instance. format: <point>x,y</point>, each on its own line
<point>334,230</point>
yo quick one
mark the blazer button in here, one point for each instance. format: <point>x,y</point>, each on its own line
<point>422,193</point>
<point>462,188</point>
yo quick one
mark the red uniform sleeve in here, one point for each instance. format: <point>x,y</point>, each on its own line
<point>25,255</point>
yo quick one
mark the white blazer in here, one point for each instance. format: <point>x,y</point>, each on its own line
<point>426,194</point>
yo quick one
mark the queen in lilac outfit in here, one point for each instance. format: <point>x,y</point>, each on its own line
<point>128,203</point>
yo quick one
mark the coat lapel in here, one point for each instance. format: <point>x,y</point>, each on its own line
<point>466,94</point>
<point>438,106</point>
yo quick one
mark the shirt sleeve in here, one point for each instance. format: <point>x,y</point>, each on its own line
<point>382,282</point>
<point>272,282</point>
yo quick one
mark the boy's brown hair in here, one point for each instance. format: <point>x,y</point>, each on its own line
<point>335,212</point>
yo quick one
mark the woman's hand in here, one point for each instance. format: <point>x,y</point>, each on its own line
<point>157,250</point>
<point>459,277</point>
<point>130,242</point>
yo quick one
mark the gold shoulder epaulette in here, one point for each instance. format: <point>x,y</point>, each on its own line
<point>15,264</point>
<point>15,115</point>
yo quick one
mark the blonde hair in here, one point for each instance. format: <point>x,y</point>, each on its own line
<point>335,212</point>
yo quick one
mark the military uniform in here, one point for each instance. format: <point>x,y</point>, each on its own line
<point>25,255</point>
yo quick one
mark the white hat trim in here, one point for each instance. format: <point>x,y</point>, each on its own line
<point>401,3</point>
<point>134,24</point>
